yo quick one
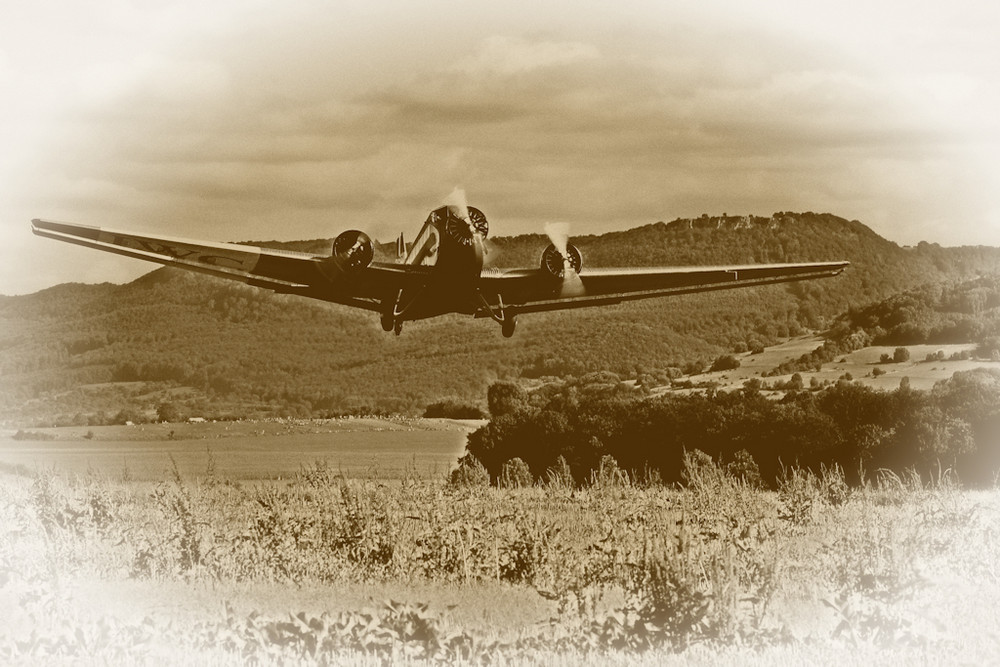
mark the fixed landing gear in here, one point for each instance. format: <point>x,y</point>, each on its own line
<point>392,318</point>
<point>507,321</point>
<point>507,326</point>
<point>391,323</point>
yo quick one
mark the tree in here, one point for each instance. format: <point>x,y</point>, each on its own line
<point>505,397</point>
<point>939,438</point>
<point>900,355</point>
<point>989,348</point>
<point>168,412</point>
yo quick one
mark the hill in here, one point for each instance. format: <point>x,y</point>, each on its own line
<point>208,347</point>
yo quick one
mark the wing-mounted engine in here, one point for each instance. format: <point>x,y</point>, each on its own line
<point>556,263</point>
<point>352,252</point>
<point>563,262</point>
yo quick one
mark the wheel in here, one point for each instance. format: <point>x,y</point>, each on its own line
<point>398,327</point>
<point>507,327</point>
<point>387,322</point>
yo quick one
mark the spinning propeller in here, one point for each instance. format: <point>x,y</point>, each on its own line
<point>563,260</point>
<point>464,221</point>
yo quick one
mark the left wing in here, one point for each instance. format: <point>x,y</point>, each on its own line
<point>279,270</point>
<point>535,290</point>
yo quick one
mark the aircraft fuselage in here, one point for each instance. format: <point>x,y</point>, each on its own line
<point>451,244</point>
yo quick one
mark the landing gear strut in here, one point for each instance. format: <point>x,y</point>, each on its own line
<point>392,317</point>
<point>507,322</point>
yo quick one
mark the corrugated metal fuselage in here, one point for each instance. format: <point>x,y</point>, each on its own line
<point>454,255</point>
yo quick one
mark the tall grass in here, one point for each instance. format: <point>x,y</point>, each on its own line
<point>626,568</point>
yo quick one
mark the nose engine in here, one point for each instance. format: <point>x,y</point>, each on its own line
<point>461,223</point>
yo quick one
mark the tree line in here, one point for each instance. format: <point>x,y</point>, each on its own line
<point>578,423</point>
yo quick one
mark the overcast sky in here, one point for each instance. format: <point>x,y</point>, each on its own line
<point>237,120</point>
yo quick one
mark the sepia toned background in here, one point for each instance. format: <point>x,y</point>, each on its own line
<point>250,121</point>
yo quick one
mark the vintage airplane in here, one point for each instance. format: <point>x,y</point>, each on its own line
<point>443,272</point>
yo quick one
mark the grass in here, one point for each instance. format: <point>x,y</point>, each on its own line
<point>355,448</point>
<point>859,364</point>
<point>319,568</point>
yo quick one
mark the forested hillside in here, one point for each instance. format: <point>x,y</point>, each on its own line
<point>942,313</point>
<point>208,347</point>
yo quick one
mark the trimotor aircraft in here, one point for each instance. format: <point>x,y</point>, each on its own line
<point>443,271</point>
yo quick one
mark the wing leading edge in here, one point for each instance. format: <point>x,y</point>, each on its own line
<point>283,271</point>
<point>535,291</point>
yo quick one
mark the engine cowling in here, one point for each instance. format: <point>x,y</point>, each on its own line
<point>556,263</point>
<point>353,251</point>
<point>460,223</point>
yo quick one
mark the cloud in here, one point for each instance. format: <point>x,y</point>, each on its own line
<point>301,122</point>
<point>509,55</point>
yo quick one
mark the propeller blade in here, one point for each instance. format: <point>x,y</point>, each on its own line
<point>457,201</point>
<point>572,285</point>
<point>558,233</point>
<point>492,253</point>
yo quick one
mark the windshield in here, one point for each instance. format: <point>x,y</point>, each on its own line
<point>424,250</point>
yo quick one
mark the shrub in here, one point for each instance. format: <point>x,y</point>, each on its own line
<point>608,473</point>
<point>744,468</point>
<point>469,473</point>
<point>559,475</point>
<point>515,474</point>
<point>453,409</point>
<point>168,412</point>
<point>725,362</point>
<point>900,355</point>
<point>693,367</point>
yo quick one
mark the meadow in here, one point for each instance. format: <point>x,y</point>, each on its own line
<point>246,450</point>
<point>323,568</point>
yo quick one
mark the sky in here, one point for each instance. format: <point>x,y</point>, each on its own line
<point>238,120</point>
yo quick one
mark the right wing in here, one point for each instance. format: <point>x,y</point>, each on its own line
<point>283,271</point>
<point>535,290</point>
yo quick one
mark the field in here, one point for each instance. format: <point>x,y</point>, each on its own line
<point>356,447</point>
<point>222,566</point>
<point>859,364</point>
